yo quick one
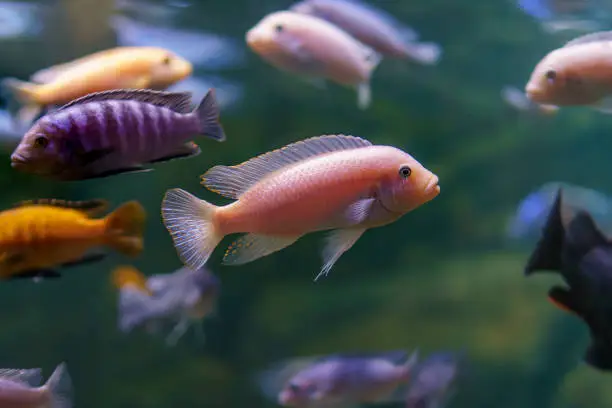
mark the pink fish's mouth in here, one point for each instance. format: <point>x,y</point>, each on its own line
<point>17,160</point>
<point>433,187</point>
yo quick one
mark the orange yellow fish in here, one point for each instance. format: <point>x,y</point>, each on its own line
<point>316,49</point>
<point>577,74</point>
<point>37,237</point>
<point>334,182</point>
<point>115,68</point>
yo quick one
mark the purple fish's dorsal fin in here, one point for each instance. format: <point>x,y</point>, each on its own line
<point>233,181</point>
<point>177,101</point>
<point>599,36</point>
<point>31,377</point>
<point>90,207</point>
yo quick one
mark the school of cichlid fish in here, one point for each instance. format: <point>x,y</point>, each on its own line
<point>109,113</point>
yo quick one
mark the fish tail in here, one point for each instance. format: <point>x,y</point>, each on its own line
<point>21,97</point>
<point>599,355</point>
<point>409,366</point>
<point>59,387</point>
<point>583,234</point>
<point>427,53</point>
<point>128,276</point>
<point>191,223</point>
<point>548,252</point>
<point>208,115</point>
<point>125,228</point>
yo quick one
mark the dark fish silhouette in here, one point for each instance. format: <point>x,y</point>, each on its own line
<point>582,255</point>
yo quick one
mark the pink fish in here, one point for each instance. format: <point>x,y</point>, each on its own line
<point>21,388</point>
<point>337,182</point>
<point>315,49</point>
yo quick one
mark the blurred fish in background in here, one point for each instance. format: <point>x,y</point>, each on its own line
<point>227,93</point>
<point>374,28</point>
<point>530,216</point>
<point>433,384</point>
<point>340,380</point>
<point>518,100</point>
<point>182,298</point>
<point>568,15</point>
<point>19,19</point>
<point>152,11</point>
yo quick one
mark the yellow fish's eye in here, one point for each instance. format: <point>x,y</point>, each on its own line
<point>405,172</point>
<point>41,141</point>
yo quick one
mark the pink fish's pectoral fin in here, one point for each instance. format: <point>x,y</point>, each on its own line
<point>250,247</point>
<point>337,243</point>
<point>31,377</point>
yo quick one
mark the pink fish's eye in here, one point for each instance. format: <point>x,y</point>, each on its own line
<point>405,172</point>
<point>551,75</point>
<point>278,28</point>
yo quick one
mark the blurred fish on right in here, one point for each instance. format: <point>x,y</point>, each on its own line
<point>182,298</point>
<point>374,28</point>
<point>567,15</point>
<point>530,216</point>
<point>519,101</point>
<point>433,383</point>
<point>20,19</point>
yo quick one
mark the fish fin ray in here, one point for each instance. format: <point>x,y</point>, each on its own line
<point>177,101</point>
<point>208,115</point>
<point>190,222</point>
<point>184,151</point>
<point>250,247</point>
<point>59,386</point>
<point>29,376</point>
<point>338,242</point>
<point>233,181</point>
<point>91,207</point>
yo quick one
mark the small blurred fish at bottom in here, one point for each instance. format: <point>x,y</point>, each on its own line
<point>182,298</point>
<point>21,388</point>
<point>340,380</point>
<point>530,215</point>
<point>434,381</point>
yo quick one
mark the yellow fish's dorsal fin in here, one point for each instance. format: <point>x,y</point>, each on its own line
<point>123,276</point>
<point>90,207</point>
<point>233,181</point>
<point>179,102</point>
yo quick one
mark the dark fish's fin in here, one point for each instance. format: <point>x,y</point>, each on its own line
<point>233,181</point>
<point>87,259</point>
<point>599,355</point>
<point>548,252</point>
<point>114,172</point>
<point>564,299</point>
<point>589,38</point>
<point>90,207</point>
<point>583,235</point>
<point>37,273</point>
<point>177,101</point>
<point>189,149</point>
<point>86,158</point>
<point>395,356</point>
<point>208,115</point>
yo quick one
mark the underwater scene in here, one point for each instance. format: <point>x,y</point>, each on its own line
<point>306,203</point>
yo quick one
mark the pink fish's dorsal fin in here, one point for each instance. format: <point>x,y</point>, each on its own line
<point>177,101</point>
<point>31,377</point>
<point>599,36</point>
<point>90,207</point>
<point>233,181</point>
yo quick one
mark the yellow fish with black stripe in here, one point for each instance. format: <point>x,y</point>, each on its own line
<point>40,236</point>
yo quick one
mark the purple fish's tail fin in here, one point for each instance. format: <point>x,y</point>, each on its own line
<point>59,388</point>
<point>208,115</point>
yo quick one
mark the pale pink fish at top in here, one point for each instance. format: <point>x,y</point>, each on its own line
<point>21,388</point>
<point>316,49</point>
<point>372,27</point>
<point>328,182</point>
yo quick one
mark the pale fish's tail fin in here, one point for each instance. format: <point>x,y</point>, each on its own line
<point>208,115</point>
<point>59,388</point>
<point>191,223</point>
<point>426,53</point>
<point>125,227</point>
<point>21,97</point>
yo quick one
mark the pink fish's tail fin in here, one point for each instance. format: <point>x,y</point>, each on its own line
<point>191,223</point>
<point>21,97</point>
<point>208,115</point>
<point>59,388</point>
<point>426,53</point>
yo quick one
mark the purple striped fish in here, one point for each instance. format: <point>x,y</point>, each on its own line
<point>114,132</point>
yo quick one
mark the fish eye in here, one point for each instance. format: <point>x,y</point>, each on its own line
<point>405,172</point>
<point>278,28</point>
<point>41,141</point>
<point>294,388</point>
<point>551,75</point>
<point>167,60</point>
